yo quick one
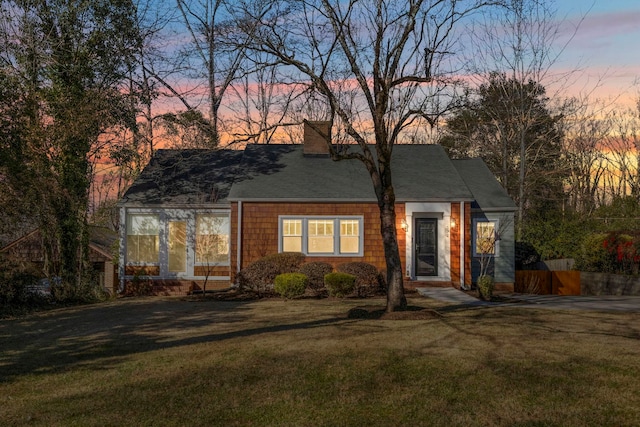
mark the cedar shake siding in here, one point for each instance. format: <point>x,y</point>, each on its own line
<point>260,226</point>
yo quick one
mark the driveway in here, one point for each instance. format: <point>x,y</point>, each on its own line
<point>555,302</point>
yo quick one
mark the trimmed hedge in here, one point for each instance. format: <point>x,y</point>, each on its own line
<point>339,284</point>
<point>259,276</point>
<point>290,285</point>
<point>369,281</point>
<point>316,271</point>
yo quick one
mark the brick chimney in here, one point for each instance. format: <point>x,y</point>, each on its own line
<point>315,141</point>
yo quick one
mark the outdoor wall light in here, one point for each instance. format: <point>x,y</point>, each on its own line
<point>453,223</point>
<point>404,225</point>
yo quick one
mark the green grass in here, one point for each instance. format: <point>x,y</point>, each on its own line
<point>304,363</point>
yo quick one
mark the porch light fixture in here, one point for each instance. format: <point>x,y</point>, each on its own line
<point>404,225</point>
<point>453,223</point>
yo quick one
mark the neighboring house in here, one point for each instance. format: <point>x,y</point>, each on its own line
<point>206,214</point>
<point>102,242</point>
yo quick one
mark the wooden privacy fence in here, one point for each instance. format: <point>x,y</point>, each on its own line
<point>544,282</point>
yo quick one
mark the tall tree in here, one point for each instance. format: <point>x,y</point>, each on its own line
<point>586,131</point>
<point>380,66</point>
<point>514,50</point>
<point>511,127</point>
<point>70,58</point>
<point>211,59</point>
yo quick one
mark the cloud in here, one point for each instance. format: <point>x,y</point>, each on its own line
<point>610,29</point>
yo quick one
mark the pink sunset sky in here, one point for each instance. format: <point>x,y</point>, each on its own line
<point>606,47</point>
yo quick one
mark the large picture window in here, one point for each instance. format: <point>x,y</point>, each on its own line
<point>486,238</point>
<point>143,239</point>
<point>322,236</point>
<point>212,239</point>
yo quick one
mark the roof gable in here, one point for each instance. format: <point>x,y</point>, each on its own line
<point>487,191</point>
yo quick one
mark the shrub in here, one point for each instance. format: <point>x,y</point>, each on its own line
<point>340,284</point>
<point>290,285</point>
<point>138,286</point>
<point>260,275</point>
<point>286,262</point>
<point>316,271</point>
<point>593,255</point>
<point>14,288</point>
<point>624,252</point>
<point>18,291</point>
<point>485,287</point>
<point>369,281</point>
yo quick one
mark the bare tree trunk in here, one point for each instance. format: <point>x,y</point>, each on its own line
<point>396,299</point>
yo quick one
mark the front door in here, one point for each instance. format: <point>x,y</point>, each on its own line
<point>426,247</point>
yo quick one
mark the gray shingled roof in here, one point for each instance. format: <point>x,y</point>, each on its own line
<point>186,176</point>
<point>487,191</point>
<point>282,173</point>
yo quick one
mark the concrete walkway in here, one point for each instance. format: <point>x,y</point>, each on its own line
<point>555,302</point>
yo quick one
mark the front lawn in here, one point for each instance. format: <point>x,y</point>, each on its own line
<point>154,361</point>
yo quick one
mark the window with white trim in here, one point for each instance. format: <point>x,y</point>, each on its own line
<point>322,236</point>
<point>486,238</point>
<point>143,239</point>
<point>212,238</point>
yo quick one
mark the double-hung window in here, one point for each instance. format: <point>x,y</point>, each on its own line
<point>486,238</point>
<point>291,235</point>
<point>143,239</point>
<point>322,236</point>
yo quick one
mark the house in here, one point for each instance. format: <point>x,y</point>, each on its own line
<point>196,215</point>
<point>28,249</point>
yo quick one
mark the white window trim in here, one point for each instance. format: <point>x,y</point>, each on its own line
<point>496,244</point>
<point>164,217</point>
<point>145,212</point>
<point>193,247</point>
<point>336,234</point>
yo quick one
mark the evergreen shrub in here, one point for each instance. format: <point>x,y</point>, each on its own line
<point>259,276</point>
<point>485,287</point>
<point>340,284</point>
<point>290,285</point>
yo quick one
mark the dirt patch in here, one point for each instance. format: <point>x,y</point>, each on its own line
<point>377,312</point>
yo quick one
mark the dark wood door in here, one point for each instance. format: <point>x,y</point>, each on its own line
<point>426,247</point>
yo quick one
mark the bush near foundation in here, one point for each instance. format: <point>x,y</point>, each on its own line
<point>485,287</point>
<point>290,285</point>
<point>316,271</point>
<point>369,281</point>
<point>340,284</point>
<point>259,276</point>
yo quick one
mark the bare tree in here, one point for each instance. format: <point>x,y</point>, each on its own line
<point>585,130</point>
<point>622,146</point>
<point>521,42</point>
<point>379,67</point>
<point>212,59</point>
<point>259,103</point>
